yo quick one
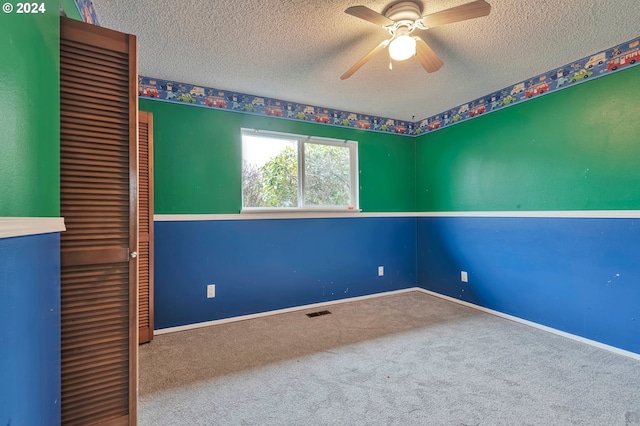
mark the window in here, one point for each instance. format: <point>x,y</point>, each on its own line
<point>285,171</point>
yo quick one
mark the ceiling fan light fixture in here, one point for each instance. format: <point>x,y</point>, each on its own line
<point>400,18</point>
<point>402,47</point>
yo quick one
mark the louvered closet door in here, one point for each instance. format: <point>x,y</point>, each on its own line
<point>98,198</point>
<point>145,202</point>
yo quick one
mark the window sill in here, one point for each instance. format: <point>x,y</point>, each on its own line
<point>294,213</point>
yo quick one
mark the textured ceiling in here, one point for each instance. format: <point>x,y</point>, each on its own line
<point>296,50</point>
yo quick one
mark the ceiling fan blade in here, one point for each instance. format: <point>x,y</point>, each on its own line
<point>367,14</point>
<point>427,57</point>
<point>475,9</point>
<point>364,60</point>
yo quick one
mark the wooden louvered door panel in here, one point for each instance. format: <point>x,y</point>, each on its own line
<point>145,243</point>
<point>98,199</point>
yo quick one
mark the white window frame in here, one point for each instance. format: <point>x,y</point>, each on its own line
<point>301,140</point>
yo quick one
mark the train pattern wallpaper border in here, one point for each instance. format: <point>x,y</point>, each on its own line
<point>586,69</point>
<point>589,68</point>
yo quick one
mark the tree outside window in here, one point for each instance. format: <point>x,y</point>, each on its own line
<point>292,172</point>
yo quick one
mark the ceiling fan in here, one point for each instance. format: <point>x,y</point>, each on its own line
<point>401,18</point>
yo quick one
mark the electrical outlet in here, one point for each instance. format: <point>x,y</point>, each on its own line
<point>211,291</point>
<point>380,271</point>
<point>464,277</point>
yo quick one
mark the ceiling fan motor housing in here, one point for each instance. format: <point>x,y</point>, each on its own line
<point>404,11</point>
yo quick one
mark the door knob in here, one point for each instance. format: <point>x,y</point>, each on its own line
<point>133,254</point>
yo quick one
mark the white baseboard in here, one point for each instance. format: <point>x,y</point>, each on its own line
<point>276,312</point>
<point>406,290</point>
<point>534,324</point>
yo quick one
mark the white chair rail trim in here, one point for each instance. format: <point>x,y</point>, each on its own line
<point>22,226</point>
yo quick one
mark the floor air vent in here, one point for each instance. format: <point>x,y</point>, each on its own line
<point>318,314</point>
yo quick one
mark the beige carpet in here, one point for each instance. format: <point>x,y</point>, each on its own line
<point>403,359</point>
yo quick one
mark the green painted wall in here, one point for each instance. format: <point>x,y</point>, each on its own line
<point>29,187</point>
<point>71,9</point>
<point>30,111</point>
<point>198,160</point>
<point>577,149</point>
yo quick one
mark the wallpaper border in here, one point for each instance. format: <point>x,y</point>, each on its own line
<point>87,11</point>
<point>622,56</point>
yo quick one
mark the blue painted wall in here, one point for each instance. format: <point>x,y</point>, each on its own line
<point>576,275</point>
<point>30,332</point>
<point>263,265</point>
